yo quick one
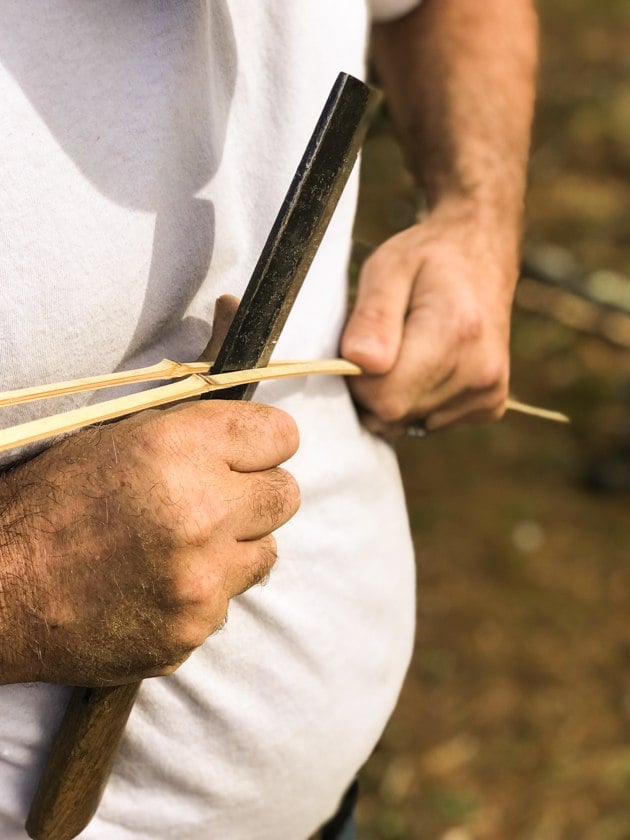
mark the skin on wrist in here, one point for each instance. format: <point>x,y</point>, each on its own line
<point>501,238</point>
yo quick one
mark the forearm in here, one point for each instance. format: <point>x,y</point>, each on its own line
<point>431,322</point>
<point>459,77</point>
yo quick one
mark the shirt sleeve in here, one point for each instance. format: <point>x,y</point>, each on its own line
<point>382,10</point>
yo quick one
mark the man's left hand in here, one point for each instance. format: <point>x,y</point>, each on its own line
<point>431,325</point>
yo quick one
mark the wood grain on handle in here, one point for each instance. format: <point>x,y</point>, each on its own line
<point>80,761</point>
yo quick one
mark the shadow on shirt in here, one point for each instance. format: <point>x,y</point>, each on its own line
<point>127,91</point>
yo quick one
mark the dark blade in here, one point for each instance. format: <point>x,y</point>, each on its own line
<point>296,232</point>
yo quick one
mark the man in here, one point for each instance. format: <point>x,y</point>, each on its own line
<point>145,150</point>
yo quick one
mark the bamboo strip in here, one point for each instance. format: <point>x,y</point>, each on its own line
<point>68,421</point>
<point>192,386</point>
<point>187,388</point>
<point>534,411</point>
<point>166,369</point>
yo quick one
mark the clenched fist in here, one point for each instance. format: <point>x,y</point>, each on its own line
<point>123,545</point>
<point>431,325</point>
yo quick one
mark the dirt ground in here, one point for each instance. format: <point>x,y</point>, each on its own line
<point>514,723</point>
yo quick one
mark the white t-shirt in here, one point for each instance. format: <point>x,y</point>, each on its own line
<point>145,149</point>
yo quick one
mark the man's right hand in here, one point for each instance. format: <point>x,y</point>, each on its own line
<point>122,545</point>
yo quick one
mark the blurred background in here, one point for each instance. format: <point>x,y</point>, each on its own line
<point>515,718</point>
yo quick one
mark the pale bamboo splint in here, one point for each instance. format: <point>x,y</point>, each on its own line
<point>192,386</point>
<point>535,411</point>
<point>166,369</point>
<point>197,382</point>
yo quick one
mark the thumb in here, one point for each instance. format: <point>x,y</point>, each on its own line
<point>373,334</point>
<point>224,311</point>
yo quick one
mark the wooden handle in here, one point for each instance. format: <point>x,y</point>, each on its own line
<point>80,761</point>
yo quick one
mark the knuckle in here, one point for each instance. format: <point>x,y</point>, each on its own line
<point>496,411</point>
<point>275,496</point>
<point>166,670</point>
<point>260,563</point>
<point>487,376</point>
<point>199,586</point>
<point>291,491</point>
<point>191,634</point>
<point>491,375</point>
<point>385,259</point>
<point>247,426</point>
<point>469,326</point>
<point>374,315</point>
<point>182,591</point>
<point>193,627</point>
<point>503,389</point>
<point>175,653</point>
<point>489,413</point>
<point>391,408</point>
<point>287,429</point>
<point>372,267</point>
<point>234,418</point>
<point>207,420</point>
<point>164,657</point>
<point>267,555</point>
<point>373,306</point>
<point>164,442</point>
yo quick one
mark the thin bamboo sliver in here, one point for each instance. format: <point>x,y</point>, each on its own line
<point>192,386</point>
<point>166,369</point>
<point>534,411</point>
